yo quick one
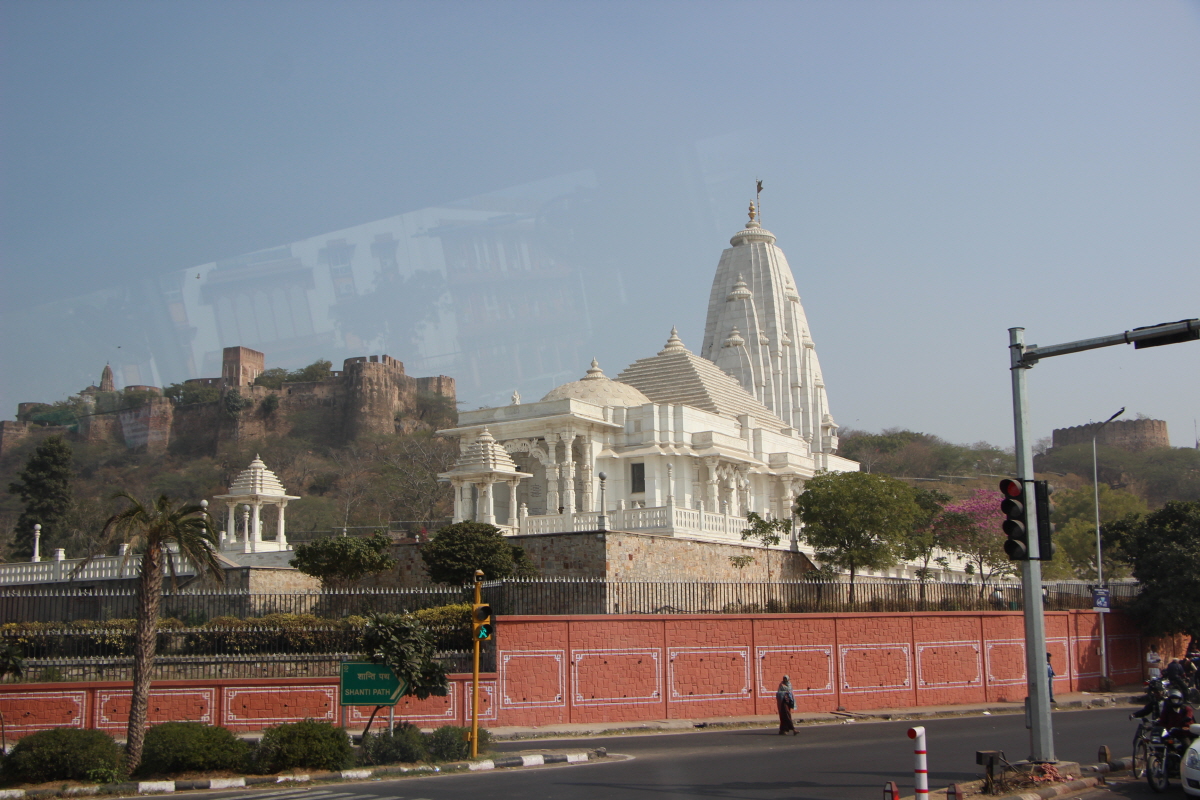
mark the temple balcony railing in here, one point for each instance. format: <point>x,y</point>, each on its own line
<point>662,520</point>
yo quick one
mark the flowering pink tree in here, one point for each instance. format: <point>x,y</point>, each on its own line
<point>972,529</point>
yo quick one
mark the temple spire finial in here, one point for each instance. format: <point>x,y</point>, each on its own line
<point>752,211</point>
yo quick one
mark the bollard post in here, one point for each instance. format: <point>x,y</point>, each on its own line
<point>891,791</point>
<point>920,768</point>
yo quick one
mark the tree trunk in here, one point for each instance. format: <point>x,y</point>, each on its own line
<point>851,608</point>
<point>145,644</point>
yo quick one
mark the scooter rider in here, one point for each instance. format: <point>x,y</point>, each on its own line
<point>1177,717</point>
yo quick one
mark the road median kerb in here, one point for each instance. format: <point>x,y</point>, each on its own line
<point>211,784</point>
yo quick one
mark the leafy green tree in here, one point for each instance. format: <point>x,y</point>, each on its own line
<point>272,378</point>
<point>767,532</point>
<point>154,530</point>
<point>523,566</point>
<point>44,486</point>
<point>909,454</point>
<point>456,551</point>
<point>408,647</point>
<point>1164,549</point>
<point>926,537</point>
<point>1074,518</point>
<point>319,370</point>
<point>186,394</point>
<point>856,520</point>
<point>1157,475</point>
<point>341,561</point>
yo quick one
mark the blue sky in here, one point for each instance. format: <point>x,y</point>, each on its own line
<point>936,172</point>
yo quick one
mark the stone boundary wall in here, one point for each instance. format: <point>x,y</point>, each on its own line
<point>632,668</point>
<point>624,556</point>
<point>1130,434</point>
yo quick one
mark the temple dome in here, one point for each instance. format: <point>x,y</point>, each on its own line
<point>598,389</point>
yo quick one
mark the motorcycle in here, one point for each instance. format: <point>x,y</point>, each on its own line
<point>1164,756</point>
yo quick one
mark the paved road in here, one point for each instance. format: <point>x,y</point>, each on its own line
<point>826,762</point>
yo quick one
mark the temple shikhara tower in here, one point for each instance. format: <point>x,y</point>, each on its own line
<point>757,332</point>
<point>679,447</point>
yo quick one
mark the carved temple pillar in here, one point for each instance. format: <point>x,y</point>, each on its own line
<point>567,472</point>
<point>458,500</point>
<point>587,471</point>
<point>552,503</point>
<point>280,533</point>
<point>712,500</point>
<point>512,520</point>
<point>487,509</point>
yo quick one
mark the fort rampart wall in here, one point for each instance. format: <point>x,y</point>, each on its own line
<point>1130,434</point>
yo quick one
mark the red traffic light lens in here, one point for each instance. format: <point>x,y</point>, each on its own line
<point>1011,488</point>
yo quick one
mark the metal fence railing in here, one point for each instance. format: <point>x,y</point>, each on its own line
<point>556,596</point>
<point>212,652</point>
<point>196,607</point>
<point>547,596</point>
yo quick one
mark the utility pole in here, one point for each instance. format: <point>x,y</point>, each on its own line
<point>1024,357</point>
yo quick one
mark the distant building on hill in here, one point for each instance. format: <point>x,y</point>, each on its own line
<point>1131,434</point>
<point>371,394</point>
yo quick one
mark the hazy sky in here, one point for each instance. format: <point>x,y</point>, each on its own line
<point>936,172</point>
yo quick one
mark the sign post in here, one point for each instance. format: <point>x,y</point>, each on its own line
<point>1100,601</point>
<point>366,684</point>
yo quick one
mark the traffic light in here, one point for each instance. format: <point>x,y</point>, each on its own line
<point>1013,506</point>
<point>481,621</point>
<point>1041,498</point>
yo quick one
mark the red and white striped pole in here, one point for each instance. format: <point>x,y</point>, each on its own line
<point>920,768</point>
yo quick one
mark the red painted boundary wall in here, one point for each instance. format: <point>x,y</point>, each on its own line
<point>614,668</point>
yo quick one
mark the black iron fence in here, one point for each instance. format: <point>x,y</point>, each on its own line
<point>99,653</point>
<point>545,596</point>
<point>196,607</point>
<point>551,596</point>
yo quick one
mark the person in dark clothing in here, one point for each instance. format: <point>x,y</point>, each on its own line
<point>1174,673</point>
<point>1155,695</point>
<point>785,701</point>
<point>1177,717</point>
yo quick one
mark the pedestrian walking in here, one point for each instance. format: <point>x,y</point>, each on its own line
<point>1050,677</point>
<point>785,701</point>
<point>1153,662</point>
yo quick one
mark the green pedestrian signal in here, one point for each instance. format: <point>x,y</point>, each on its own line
<point>481,621</point>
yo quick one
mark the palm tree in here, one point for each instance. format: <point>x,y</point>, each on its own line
<point>154,530</point>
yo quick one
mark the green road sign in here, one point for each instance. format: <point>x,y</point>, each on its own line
<point>367,684</point>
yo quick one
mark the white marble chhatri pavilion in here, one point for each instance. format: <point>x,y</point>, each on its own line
<point>689,443</point>
<point>254,487</point>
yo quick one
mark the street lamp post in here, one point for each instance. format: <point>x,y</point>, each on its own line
<point>1104,680</point>
<point>602,521</point>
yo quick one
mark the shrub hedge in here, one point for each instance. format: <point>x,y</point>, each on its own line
<point>64,754</point>
<point>309,744</point>
<point>403,745</point>
<point>192,747</point>
<point>449,743</point>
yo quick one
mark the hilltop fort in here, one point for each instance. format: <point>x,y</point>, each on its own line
<point>369,395</point>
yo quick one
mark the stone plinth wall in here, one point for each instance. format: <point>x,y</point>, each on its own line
<point>1130,434</point>
<point>613,668</point>
<point>625,556</point>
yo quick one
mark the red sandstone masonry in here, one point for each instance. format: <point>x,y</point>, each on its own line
<point>614,668</point>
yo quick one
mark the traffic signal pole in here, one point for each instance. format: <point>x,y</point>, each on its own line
<point>1041,731</point>
<point>1023,358</point>
<point>475,679</point>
